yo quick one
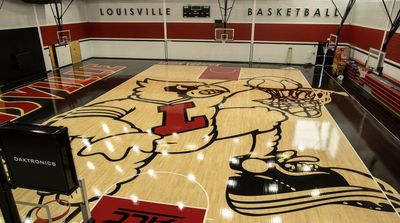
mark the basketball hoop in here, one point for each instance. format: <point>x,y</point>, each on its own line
<point>224,34</point>
<point>56,218</point>
<point>327,46</point>
<point>224,38</point>
<point>331,42</point>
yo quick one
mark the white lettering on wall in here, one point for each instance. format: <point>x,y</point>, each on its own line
<point>133,11</point>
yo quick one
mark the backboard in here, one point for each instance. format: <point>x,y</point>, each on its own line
<point>332,40</point>
<point>224,34</point>
<point>64,37</point>
<point>375,60</point>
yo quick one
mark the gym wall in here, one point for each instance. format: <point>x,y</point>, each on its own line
<point>16,14</point>
<point>21,57</point>
<point>117,29</point>
<point>368,22</point>
<point>75,19</point>
<point>111,26</point>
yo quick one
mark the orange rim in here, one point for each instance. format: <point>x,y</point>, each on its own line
<point>43,220</point>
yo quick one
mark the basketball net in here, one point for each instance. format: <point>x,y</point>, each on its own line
<point>224,38</point>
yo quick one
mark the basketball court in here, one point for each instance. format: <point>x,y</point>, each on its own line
<point>171,122</point>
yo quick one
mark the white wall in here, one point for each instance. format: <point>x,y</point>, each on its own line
<point>16,14</point>
<point>190,50</point>
<point>186,50</point>
<point>371,13</point>
<point>392,71</point>
<point>47,60</point>
<point>93,10</point>
<point>278,53</point>
<point>64,54</point>
<point>323,5</point>
<point>19,14</point>
<point>82,11</point>
<point>128,49</point>
<point>86,49</point>
<point>269,52</point>
<point>75,14</point>
<point>212,51</point>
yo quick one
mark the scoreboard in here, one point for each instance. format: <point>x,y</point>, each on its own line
<point>192,11</point>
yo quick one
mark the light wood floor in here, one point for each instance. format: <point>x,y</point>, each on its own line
<point>260,149</point>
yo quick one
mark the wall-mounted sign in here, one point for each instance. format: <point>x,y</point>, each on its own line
<point>289,11</point>
<point>295,12</point>
<point>192,11</point>
<point>134,11</point>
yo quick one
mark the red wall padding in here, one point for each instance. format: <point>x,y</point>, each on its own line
<point>126,30</point>
<point>78,31</point>
<point>393,51</point>
<point>205,31</point>
<point>365,38</point>
<point>361,37</point>
<point>293,32</point>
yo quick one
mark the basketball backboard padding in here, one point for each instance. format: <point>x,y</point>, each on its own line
<point>218,23</point>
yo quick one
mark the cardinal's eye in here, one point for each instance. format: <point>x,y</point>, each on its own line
<point>181,87</point>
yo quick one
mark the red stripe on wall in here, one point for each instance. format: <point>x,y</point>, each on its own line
<point>205,31</point>
<point>361,37</point>
<point>264,32</point>
<point>393,51</point>
<point>105,30</point>
<point>190,30</point>
<point>78,31</point>
<point>294,32</point>
<point>364,38</point>
<point>126,30</point>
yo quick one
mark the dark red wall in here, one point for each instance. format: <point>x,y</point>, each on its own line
<point>126,30</point>
<point>78,31</point>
